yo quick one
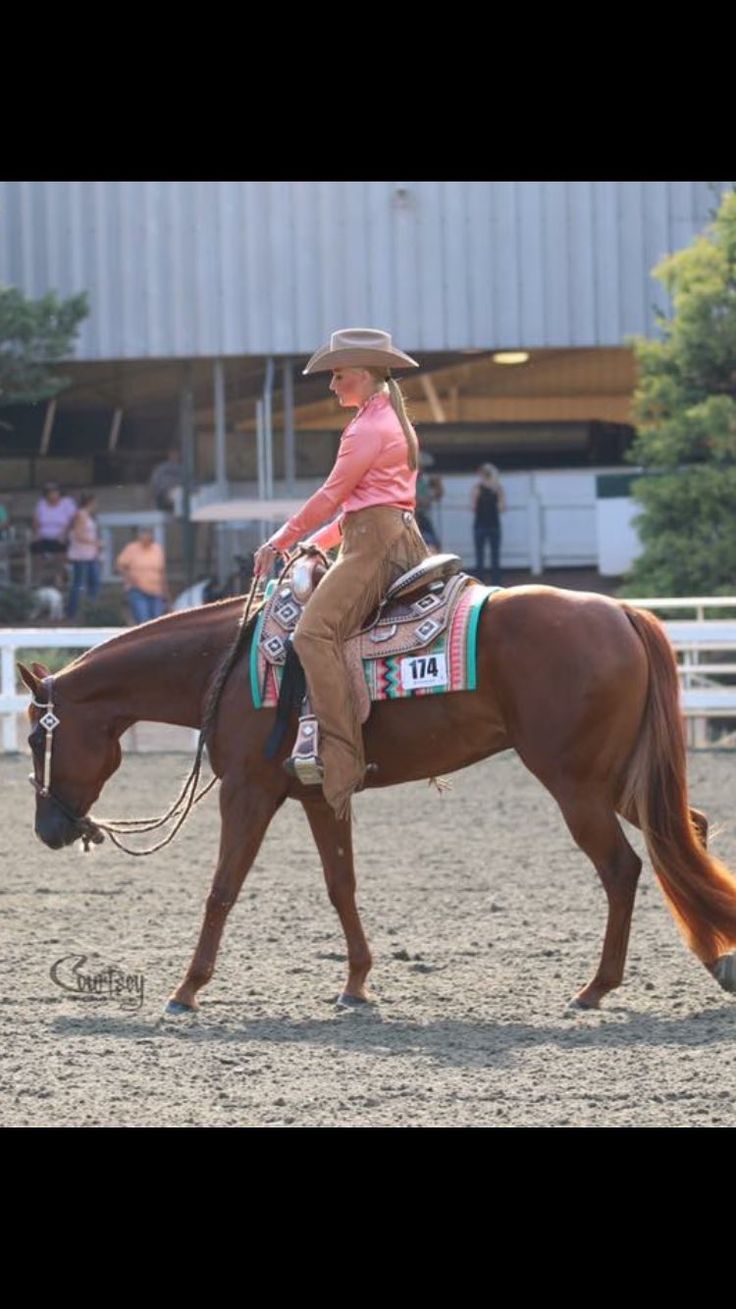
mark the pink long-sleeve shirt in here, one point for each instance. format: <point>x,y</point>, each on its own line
<point>371,468</point>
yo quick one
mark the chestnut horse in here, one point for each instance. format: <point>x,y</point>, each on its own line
<point>583,687</point>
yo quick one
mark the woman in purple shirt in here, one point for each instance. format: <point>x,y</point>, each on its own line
<point>51,521</point>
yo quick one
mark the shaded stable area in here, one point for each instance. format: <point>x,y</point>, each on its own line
<point>118,418</point>
<point>256,422</point>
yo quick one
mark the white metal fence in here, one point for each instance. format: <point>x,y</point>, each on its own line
<point>705,694</point>
<point>551,518</point>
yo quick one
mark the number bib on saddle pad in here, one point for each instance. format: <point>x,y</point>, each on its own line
<point>413,662</point>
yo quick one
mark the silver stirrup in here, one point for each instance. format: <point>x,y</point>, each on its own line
<point>304,763</point>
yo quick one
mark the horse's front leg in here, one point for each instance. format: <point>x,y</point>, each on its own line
<point>246,809</point>
<point>334,840</point>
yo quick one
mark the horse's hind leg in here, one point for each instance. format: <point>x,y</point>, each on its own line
<point>596,830</point>
<point>246,811</point>
<point>335,844</point>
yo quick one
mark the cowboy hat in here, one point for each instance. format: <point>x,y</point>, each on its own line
<point>359,347</point>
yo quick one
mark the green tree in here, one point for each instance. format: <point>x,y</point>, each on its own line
<point>34,336</point>
<point>685,407</point>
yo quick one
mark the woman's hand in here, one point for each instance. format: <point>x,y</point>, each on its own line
<point>264,560</point>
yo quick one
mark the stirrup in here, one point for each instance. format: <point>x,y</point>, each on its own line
<point>304,763</point>
<point>310,771</point>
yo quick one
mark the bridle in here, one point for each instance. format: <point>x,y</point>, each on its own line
<point>49,721</point>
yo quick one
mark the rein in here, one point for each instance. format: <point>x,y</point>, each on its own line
<point>93,830</point>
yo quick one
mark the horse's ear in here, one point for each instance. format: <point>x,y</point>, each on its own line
<point>40,670</point>
<point>29,679</point>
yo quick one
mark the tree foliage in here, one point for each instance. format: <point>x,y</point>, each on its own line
<point>35,335</point>
<point>685,407</point>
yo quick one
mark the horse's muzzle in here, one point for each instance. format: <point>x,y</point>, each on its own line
<point>55,830</point>
<point>57,826</point>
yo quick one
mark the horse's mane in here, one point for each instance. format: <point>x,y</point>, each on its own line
<point>227,663</point>
<point>165,623</point>
<point>245,628</point>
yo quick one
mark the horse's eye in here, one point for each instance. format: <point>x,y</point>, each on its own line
<point>34,740</point>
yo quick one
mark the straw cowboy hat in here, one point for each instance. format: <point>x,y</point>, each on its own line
<point>359,347</point>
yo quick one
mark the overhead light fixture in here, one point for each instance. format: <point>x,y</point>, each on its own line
<point>511,357</point>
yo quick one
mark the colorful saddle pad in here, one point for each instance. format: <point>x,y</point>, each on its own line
<point>422,649</point>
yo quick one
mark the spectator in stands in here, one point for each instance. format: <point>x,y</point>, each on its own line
<point>51,522</point>
<point>429,491</point>
<point>488,502</point>
<point>143,566</point>
<point>164,479</point>
<point>84,553</point>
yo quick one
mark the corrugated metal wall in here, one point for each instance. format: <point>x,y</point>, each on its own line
<point>179,269</point>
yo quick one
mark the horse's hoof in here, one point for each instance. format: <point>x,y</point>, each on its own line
<point>353,1003</point>
<point>724,971</point>
<point>578,1005</point>
<point>175,1009</point>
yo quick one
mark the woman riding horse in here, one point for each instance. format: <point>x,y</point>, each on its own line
<point>374,483</point>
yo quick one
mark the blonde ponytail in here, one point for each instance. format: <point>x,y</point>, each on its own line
<point>399,408</point>
<point>397,400</point>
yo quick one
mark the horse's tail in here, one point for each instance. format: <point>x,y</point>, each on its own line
<point>700,890</point>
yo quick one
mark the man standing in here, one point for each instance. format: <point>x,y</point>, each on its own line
<point>143,566</point>
<point>489,502</point>
<point>165,478</point>
<point>429,491</point>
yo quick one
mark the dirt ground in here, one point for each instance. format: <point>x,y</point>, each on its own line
<point>484,919</point>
